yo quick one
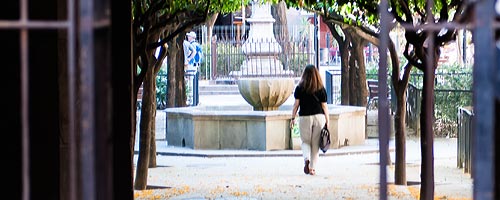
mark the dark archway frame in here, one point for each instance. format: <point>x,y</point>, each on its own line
<point>68,99</point>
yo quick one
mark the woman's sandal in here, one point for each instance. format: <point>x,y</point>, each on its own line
<point>312,171</point>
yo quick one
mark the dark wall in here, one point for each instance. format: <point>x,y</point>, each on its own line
<point>11,93</point>
<point>42,107</point>
<point>45,61</point>
<point>123,107</point>
<point>44,114</point>
<point>44,103</point>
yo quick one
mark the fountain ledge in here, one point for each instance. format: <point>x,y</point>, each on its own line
<point>241,128</point>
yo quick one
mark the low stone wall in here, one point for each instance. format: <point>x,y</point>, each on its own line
<point>239,127</point>
<point>347,125</point>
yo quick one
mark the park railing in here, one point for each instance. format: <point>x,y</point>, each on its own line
<point>332,84</point>
<point>452,90</point>
<point>224,51</point>
<point>446,101</point>
<point>192,90</point>
<point>464,138</point>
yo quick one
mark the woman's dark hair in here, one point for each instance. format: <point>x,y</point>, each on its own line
<point>311,80</point>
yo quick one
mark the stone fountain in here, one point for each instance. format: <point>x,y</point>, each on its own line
<point>262,81</point>
<point>265,85</point>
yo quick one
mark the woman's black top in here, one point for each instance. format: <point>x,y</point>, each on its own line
<point>308,104</point>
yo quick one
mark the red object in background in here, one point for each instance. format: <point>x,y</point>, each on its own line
<point>323,31</point>
<point>333,51</point>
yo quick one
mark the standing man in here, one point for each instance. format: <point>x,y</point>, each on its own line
<point>196,56</point>
<point>189,51</point>
<point>190,68</point>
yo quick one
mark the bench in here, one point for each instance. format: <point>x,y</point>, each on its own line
<point>373,94</point>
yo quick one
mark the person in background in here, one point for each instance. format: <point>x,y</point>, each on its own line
<point>197,55</point>
<point>189,69</point>
<point>189,51</point>
<point>310,102</point>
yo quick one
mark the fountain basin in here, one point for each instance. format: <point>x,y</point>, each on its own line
<point>241,128</point>
<point>266,93</point>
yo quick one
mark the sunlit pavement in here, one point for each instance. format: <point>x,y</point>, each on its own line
<point>354,176</point>
<point>350,172</point>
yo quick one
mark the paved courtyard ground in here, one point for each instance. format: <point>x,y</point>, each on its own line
<point>351,172</point>
<point>353,176</point>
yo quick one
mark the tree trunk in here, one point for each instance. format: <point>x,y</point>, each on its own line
<point>427,137</point>
<point>400,84</point>
<point>180,100</point>
<point>399,126</point>
<point>152,144</point>
<point>135,90</point>
<point>279,13</point>
<point>213,59</point>
<point>152,130</point>
<point>359,78</point>
<point>176,93</point>
<point>352,78</point>
<point>171,74</point>
<point>344,65</point>
<point>147,112</point>
<point>210,26</point>
<point>345,75</point>
<point>157,67</point>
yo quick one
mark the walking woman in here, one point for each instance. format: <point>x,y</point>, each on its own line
<point>310,102</point>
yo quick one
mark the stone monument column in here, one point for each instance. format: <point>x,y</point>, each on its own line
<point>261,80</point>
<point>261,48</point>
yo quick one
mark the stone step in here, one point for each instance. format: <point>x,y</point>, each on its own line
<point>218,87</point>
<point>218,90</point>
